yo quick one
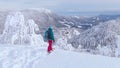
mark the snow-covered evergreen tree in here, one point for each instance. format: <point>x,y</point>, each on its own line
<point>19,31</point>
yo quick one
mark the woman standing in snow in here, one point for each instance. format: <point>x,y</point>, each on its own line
<point>49,35</point>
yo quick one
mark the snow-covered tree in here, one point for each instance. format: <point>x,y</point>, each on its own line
<point>19,31</point>
<point>99,37</point>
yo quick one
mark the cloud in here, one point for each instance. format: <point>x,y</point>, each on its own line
<point>91,1</point>
<point>63,5</point>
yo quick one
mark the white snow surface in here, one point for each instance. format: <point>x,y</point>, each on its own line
<point>12,56</point>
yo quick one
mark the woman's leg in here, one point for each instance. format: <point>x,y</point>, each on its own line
<point>50,45</point>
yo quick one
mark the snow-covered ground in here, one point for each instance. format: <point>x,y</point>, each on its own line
<point>12,56</point>
<point>20,56</point>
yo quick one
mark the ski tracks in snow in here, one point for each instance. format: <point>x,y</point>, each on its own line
<point>20,56</point>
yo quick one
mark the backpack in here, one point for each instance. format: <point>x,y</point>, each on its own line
<point>46,36</point>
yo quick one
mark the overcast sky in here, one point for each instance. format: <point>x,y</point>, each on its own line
<point>63,5</point>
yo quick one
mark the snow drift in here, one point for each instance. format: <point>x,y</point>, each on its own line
<point>37,57</point>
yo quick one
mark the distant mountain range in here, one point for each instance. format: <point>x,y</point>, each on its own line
<point>45,18</point>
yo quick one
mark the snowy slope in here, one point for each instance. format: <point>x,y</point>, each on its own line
<point>20,56</point>
<point>36,57</point>
<point>102,39</point>
<point>67,59</point>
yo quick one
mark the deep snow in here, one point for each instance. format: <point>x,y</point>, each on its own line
<point>68,59</point>
<point>12,56</point>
